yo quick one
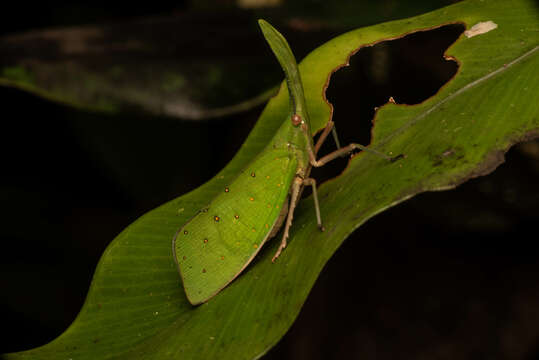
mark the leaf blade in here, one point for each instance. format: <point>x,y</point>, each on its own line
<point>251,315</point>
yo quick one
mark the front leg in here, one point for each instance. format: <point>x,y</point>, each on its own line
<point>340,150</point>
<point>343,151</point>
<point>296,187</point>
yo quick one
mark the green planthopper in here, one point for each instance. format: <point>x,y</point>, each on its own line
<point>218,243</point>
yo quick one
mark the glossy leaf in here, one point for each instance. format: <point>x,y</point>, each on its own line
<point>136,308</point>
<point>165,64</point>
<point>160,65</point>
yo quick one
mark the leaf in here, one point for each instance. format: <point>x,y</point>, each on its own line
<point>314,14</point>
<point>164,64</point>
<point>136,307</point>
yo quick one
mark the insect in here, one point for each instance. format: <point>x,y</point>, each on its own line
<point>216,245</point>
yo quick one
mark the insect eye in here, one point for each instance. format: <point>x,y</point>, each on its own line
<point>296,119</point>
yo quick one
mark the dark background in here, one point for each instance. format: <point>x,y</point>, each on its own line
<point>444,275</point>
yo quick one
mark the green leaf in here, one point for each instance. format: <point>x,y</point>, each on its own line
<point>172,69</point>
<point>338,14</point>
<point>136,308</point>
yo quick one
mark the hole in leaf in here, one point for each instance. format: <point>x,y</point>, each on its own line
<point>410,69</point>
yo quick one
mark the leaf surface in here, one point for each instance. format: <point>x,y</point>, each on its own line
<point>176,64</point>
<point>136,308</point>
<point>162,65</point>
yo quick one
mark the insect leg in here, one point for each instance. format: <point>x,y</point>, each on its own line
<point>329,127</point>
<point>342,151</point>
<point>312,182</point>
<point>335,137</point>
<point>296,187</point>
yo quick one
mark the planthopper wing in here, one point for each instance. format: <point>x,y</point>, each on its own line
<point>222,239</point>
